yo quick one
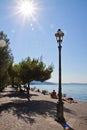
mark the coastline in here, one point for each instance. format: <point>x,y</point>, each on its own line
<point>16,113</point>
<point>77,92</point>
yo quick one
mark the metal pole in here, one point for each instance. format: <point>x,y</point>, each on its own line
<point>60,94</point>
<point>60,117</point>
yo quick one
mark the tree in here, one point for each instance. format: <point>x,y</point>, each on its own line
<point>34,70</point>
<point>5,58</point>
<point>17,79</point>
<point>14,74</point>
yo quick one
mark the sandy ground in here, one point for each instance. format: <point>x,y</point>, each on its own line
<point>16,113</point>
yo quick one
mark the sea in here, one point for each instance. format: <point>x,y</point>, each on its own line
<point>76,91</point>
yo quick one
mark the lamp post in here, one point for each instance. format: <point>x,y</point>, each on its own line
<point>59,37</point>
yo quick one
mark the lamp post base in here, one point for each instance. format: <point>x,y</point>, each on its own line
<point>60,117</point>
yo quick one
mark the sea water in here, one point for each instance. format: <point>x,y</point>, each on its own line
<point>76,91</point>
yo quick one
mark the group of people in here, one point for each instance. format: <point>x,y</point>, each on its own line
<point>55,96</point>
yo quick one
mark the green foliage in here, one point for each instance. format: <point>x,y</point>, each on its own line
<point>28,70</point>
<point>33,88</point>
<point>14,73</point>
<point>45,92</point>
<point>64,95</point>
<point>5,58</point>
<point>34,70</point>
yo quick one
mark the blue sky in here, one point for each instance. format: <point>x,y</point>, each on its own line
<point>36,38</point>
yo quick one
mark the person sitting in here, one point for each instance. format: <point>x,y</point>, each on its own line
<point>53,94</point>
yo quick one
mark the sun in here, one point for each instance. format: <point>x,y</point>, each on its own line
<point>27,9</point>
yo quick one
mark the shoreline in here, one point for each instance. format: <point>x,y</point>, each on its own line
<point>71,91</point>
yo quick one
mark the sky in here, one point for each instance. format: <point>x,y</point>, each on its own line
<point>34,35</point>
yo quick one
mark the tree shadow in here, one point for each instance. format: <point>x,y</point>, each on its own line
<point>28,110</point>
<point>15,94</point>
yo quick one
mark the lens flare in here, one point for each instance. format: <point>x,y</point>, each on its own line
<point>27,9</point>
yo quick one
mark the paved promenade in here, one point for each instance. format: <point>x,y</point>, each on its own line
<point>16,113</point>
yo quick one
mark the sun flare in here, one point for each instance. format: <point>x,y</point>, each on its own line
<point>27,9</point>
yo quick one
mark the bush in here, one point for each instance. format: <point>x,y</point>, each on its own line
<point>33,88</point>
<point>64,95</point>
<point>45,92</point>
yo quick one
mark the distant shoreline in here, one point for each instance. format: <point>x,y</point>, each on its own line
<point>52,83</point>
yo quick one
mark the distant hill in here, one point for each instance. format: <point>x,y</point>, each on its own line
<point>42,83</point>
<point>52,83</point>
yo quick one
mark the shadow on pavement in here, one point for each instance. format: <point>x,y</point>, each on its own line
<point>29,110</point>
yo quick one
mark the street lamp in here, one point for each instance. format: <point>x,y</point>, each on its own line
<point>59,37</point>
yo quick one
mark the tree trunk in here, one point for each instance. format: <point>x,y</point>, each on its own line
<point>28,92</point>
<point>13,82</point>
